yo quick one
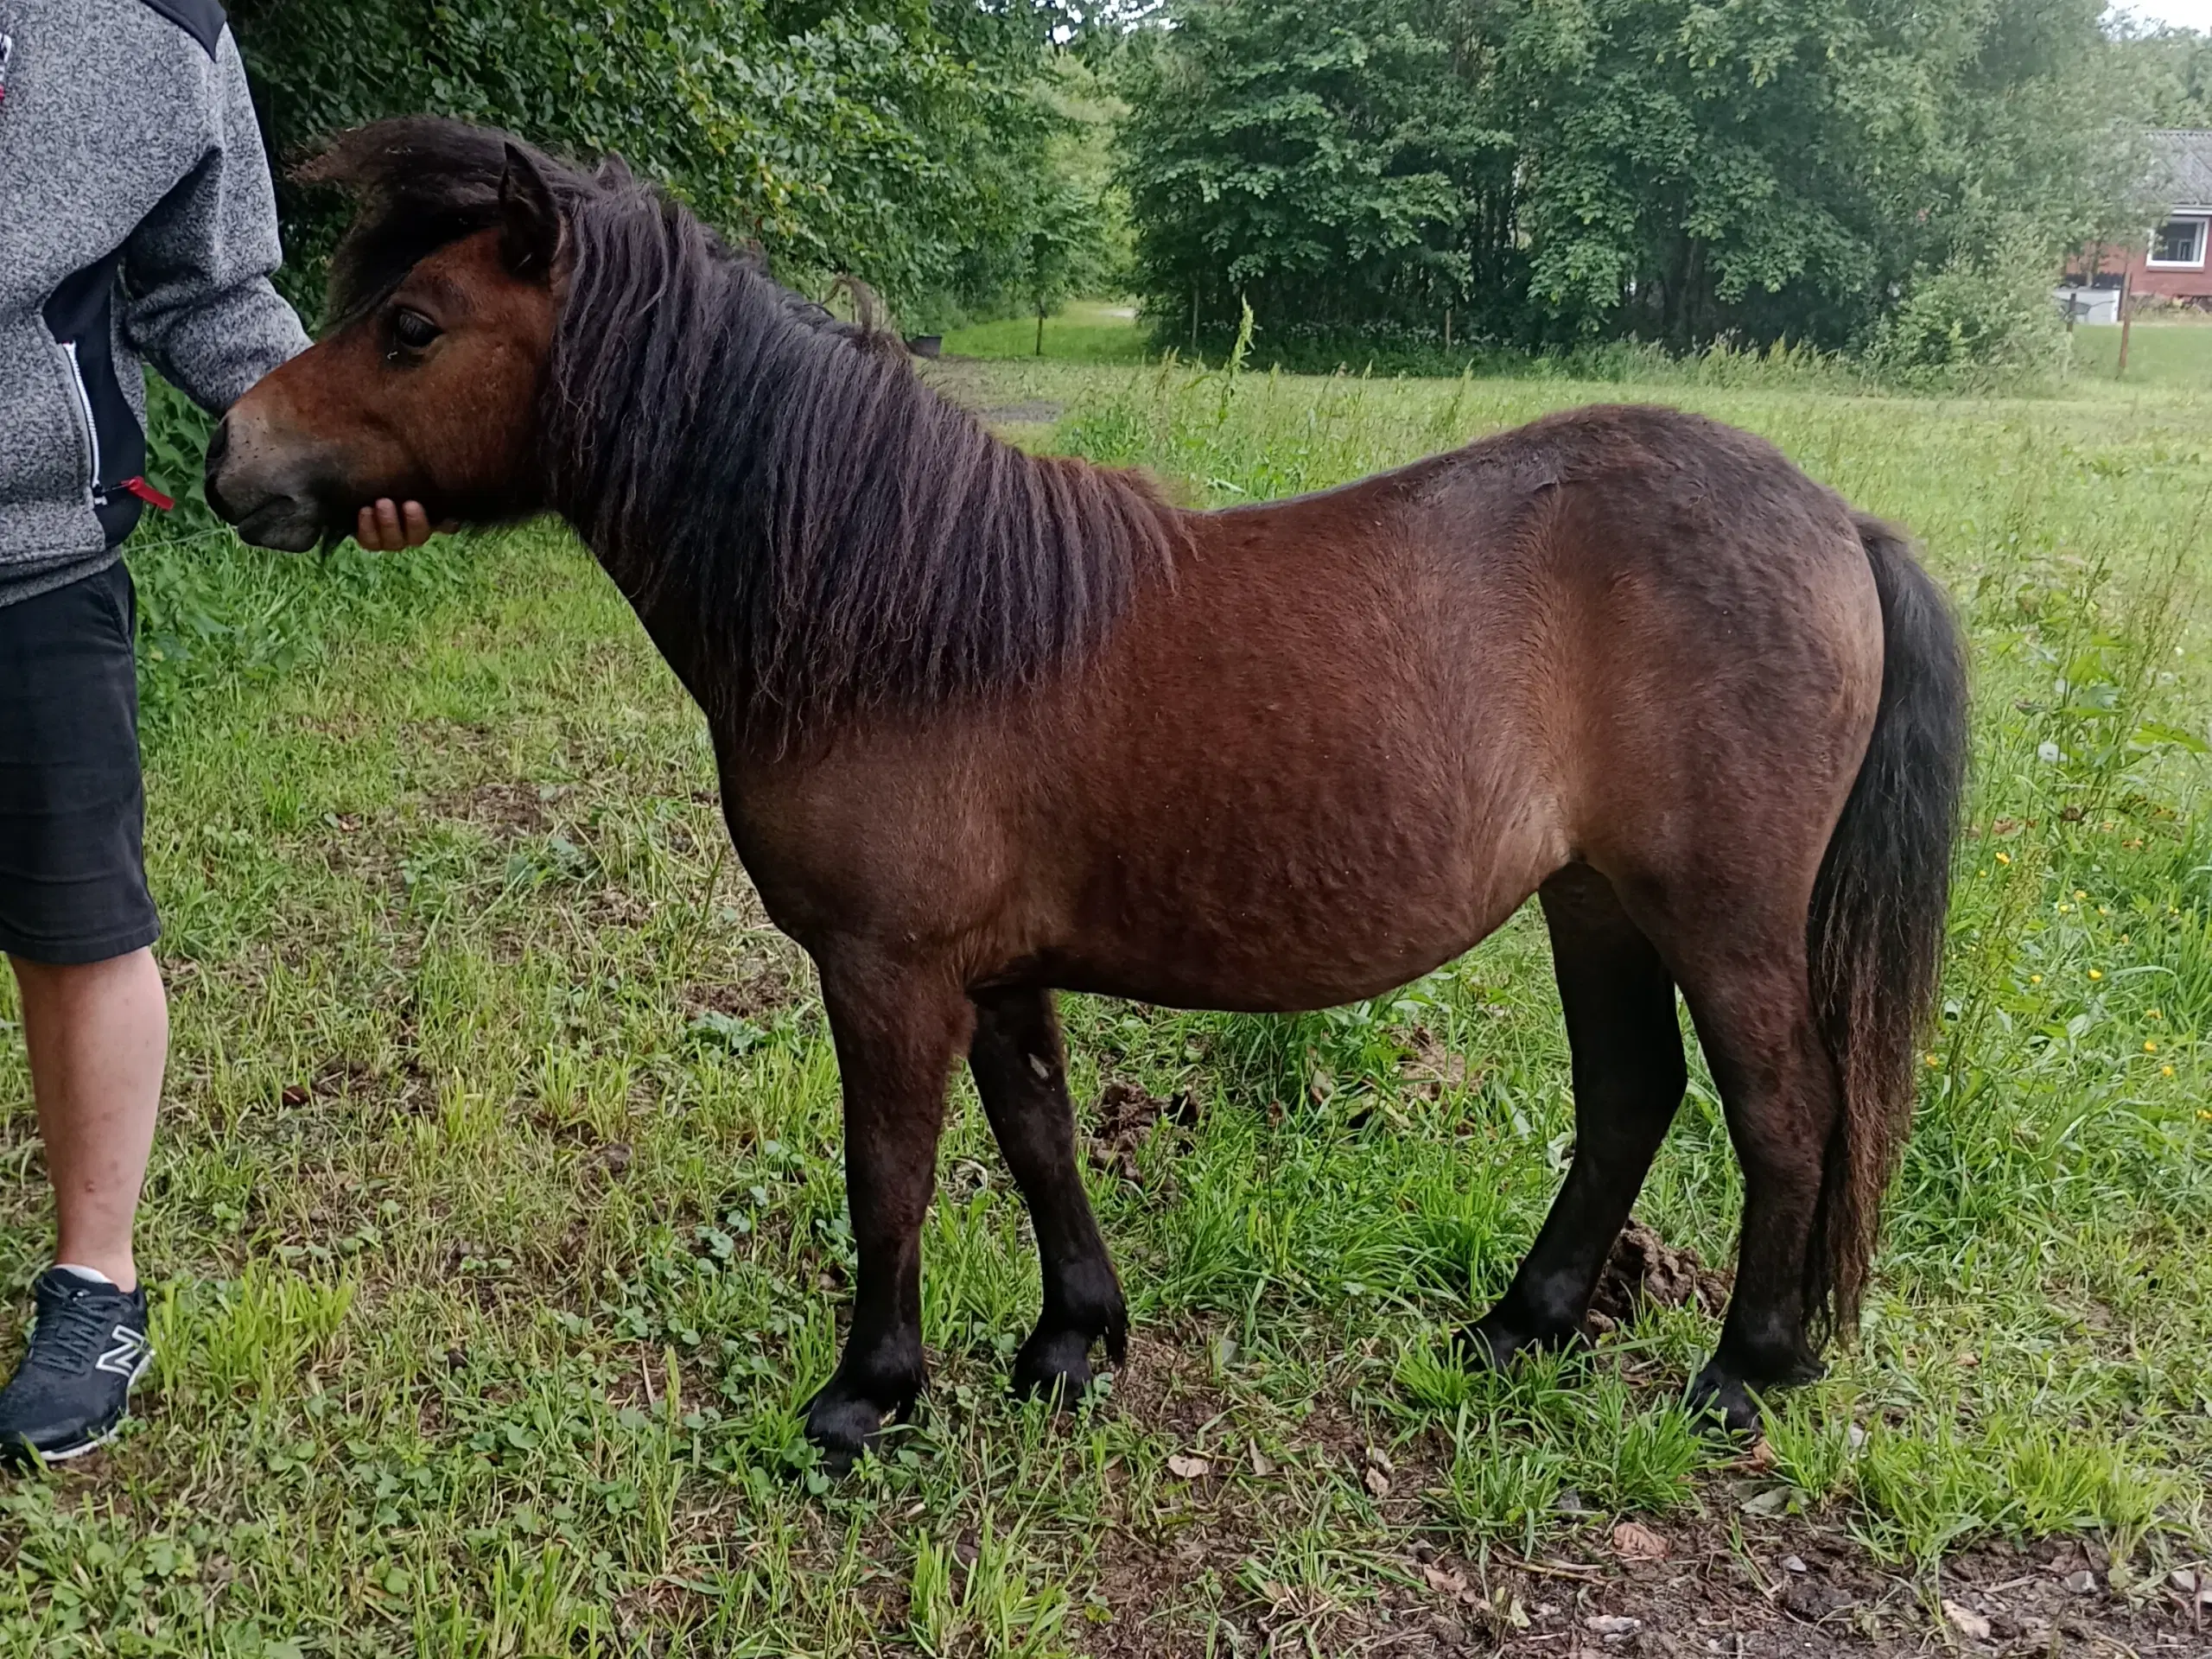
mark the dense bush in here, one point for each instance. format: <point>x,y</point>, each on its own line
<point>1978,324</point>
<point>908,141</point>
<point>1664,169</point>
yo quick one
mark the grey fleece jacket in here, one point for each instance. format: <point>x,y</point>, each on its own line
<point>136,225</point>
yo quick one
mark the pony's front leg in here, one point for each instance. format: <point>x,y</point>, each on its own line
<point>899,1032</point>
<point>1021,1074</point>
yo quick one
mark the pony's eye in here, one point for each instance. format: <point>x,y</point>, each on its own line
<point>412,331</point>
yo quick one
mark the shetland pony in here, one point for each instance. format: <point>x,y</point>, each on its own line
<point>991,725</point>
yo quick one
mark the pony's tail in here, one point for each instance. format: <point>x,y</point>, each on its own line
<point>1875,934</point>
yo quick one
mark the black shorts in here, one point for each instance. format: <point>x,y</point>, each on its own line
<point>72,808</point>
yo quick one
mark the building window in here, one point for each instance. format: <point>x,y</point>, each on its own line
<point>2179,242</point>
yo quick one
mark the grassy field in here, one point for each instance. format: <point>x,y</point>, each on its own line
<point>497,1223</point>
<point>1085,331</point>
<point>2171,356</point>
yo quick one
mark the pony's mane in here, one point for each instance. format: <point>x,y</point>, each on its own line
<point>789,508</point>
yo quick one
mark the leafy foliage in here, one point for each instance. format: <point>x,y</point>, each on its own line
<point>2169,76</point>
<point>1978,322</point>
<point>1674,170</point>
<point>906,141</point>
<point>1327,161</point>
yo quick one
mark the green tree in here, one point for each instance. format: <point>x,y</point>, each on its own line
<point>1679,170</point>
<point>903,140</point>
<point>1325,160</point>
<point>1067,252</point>
<point>2169,76</point>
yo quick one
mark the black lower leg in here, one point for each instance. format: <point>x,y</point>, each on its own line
<point>1021,1075</point>
<point>1629,1076</point>
<point>1778,1090</point>
<point>896,1043</point>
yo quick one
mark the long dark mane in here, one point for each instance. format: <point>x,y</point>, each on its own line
<point>818,529</point>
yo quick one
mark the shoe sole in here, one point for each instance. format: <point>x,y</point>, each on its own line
<point>64,1454</point>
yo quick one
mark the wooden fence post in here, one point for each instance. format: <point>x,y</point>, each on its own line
<point>2126,322</point>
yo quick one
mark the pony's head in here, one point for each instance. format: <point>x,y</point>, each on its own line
<point>444,295</point>
<point>805,526</point>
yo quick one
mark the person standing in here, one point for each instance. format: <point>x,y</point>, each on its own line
<point>138,225</point>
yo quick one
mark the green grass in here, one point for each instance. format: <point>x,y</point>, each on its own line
<point>2177,355</point>
<point>1085,331</point>
<point>496,1222</point>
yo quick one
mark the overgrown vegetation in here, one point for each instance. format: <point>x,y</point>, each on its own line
<point>497,1226</point>
<point>1532,174</point>
<point>920,144</point>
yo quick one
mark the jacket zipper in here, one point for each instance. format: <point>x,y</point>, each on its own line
<point>84,414</point>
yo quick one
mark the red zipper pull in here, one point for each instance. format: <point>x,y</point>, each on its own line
<point>148,493</point>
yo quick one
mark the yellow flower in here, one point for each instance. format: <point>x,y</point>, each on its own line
<point>2096,973</point>
<point>2079,893</point>
<point>2035,979</point>
<point>2165,1070</point>
<point>2104,910</point>
<point>2153,1014</point>
<point>2150,1047</point>
<point>2063,909</point>
<point>2003,858</point>
<point>1932,1060</point>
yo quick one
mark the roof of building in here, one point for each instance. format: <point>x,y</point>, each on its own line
<point>2181,161</point>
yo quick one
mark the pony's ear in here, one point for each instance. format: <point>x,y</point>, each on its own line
<point>530,224</point>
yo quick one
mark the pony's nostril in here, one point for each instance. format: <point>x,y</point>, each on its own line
<point>218,443</point>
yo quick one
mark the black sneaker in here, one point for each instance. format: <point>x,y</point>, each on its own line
<point>72,1385</point>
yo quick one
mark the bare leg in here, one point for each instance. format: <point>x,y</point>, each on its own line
<point>898,1035</point>
<point>1021,1074</point>
<point>97,1034</point>
<point>1629,1078</point>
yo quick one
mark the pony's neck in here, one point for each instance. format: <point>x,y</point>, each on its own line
<point>804,527</point>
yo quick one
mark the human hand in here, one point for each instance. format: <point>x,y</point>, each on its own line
<point>387,526</point>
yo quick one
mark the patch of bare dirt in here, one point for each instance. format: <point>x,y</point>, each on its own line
<point>1726,1582</point>
<point>1030,411</point>
<point>509,808</point>
<point>765,991</point>
<point>967,381</point>
<point>1788,1589</point>
<point>1432,1067</point>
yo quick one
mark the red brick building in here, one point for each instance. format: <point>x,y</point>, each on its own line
<point>2173,265</point>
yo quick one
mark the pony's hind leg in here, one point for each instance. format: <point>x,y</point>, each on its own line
<point>1022,1073</point>
<point>897,1035</point>
<point>1742,966</point>
<point>1629,1077</point>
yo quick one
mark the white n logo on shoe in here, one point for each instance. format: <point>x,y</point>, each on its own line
<point>130,1350</point>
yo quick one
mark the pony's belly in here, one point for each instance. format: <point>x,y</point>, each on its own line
<point>1284,957</point>
<point>1252,991</point>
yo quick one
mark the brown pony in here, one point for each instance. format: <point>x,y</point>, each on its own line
<point>990,726</point>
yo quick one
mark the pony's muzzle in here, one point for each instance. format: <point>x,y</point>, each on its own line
<point>274,493</point>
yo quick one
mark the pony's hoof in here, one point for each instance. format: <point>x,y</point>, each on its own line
<point>1492,1344</point>
<point>1721,1403</point>
<point>843,1427</point>
<point>1055,1366</point>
